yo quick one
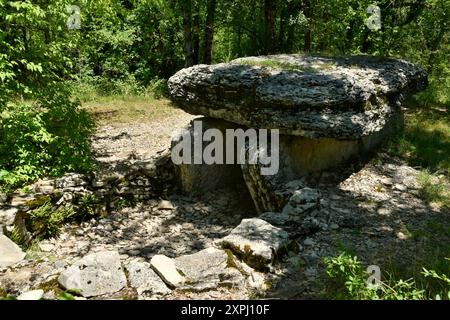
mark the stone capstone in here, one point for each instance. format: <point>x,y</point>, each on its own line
<point>309,96</point>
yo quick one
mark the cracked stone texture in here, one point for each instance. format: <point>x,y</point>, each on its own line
<point>308,96</point>
<point>142,277</point>
<point>95,274</point>
<point>256,241</point>
<point>208,269</point>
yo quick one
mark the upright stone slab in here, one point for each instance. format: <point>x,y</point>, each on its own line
<point>198,178</point>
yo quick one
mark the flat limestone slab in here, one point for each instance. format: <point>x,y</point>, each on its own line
<point>165,267</point>
<point>95,274</point>
<point>10,253</point>
<point>142,277</point>
<point>308,96</point>
<point>208,269</point>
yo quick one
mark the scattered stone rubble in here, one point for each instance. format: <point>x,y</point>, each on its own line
<point>142,181</point>
<point>364,210</point>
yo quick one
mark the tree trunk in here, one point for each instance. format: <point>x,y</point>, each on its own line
<point>187,29</point>
<point>284,15</point>
<point>209,31</point>
<point>196,35</point>
<point>307,10</point>
<point>270,10</point>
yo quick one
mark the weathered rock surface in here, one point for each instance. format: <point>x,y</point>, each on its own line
<point>299,157</point>
<point>7,216</point>
<point>308,96</point>
<point>295,217</point>
<point>256,241</point>
<point>302,201</point>
<point>10,253</point>
<point>209,269</point>
<point>95,274</point>
<point>165,267</point>
<point>142,277</point>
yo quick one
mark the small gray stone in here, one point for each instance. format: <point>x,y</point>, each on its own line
<point>95,274</point>
<point>334,226</point>
<point>308,242</point>
<point>46,247</point>
<point>7,216</point>
<point>31,295</point>
<point>10,253</point>
<point>165,205</point>
<point>400,187</point>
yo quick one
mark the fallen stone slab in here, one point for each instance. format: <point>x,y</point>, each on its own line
<point>142,277</point>
<point>209,269</point>
<point>256,242</point>
<point>10,253</point>
<point>95,275</point>
<point>165,267</point>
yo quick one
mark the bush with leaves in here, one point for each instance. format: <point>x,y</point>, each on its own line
<point>47,137</point>
<point>348,280</point>
<point>42,131</point>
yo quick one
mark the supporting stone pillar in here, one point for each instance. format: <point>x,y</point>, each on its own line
<point>196,179</point>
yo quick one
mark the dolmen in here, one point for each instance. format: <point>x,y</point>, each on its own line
<point>325,110</point>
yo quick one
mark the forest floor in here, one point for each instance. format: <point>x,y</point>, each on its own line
<point>374,210</point>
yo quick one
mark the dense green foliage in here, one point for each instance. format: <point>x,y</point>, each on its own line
<point>349,280</point>
<point>42,131</point>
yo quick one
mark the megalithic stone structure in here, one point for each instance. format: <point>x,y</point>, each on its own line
<point>327,109</point>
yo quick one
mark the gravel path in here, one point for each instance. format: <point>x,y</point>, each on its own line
<point>119,143</point>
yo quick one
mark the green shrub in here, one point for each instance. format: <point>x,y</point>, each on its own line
<point>88,207</point>
<point>158,88</point>
<point>46,222</point>
<point>347,279</point>
<point>49,136</point>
